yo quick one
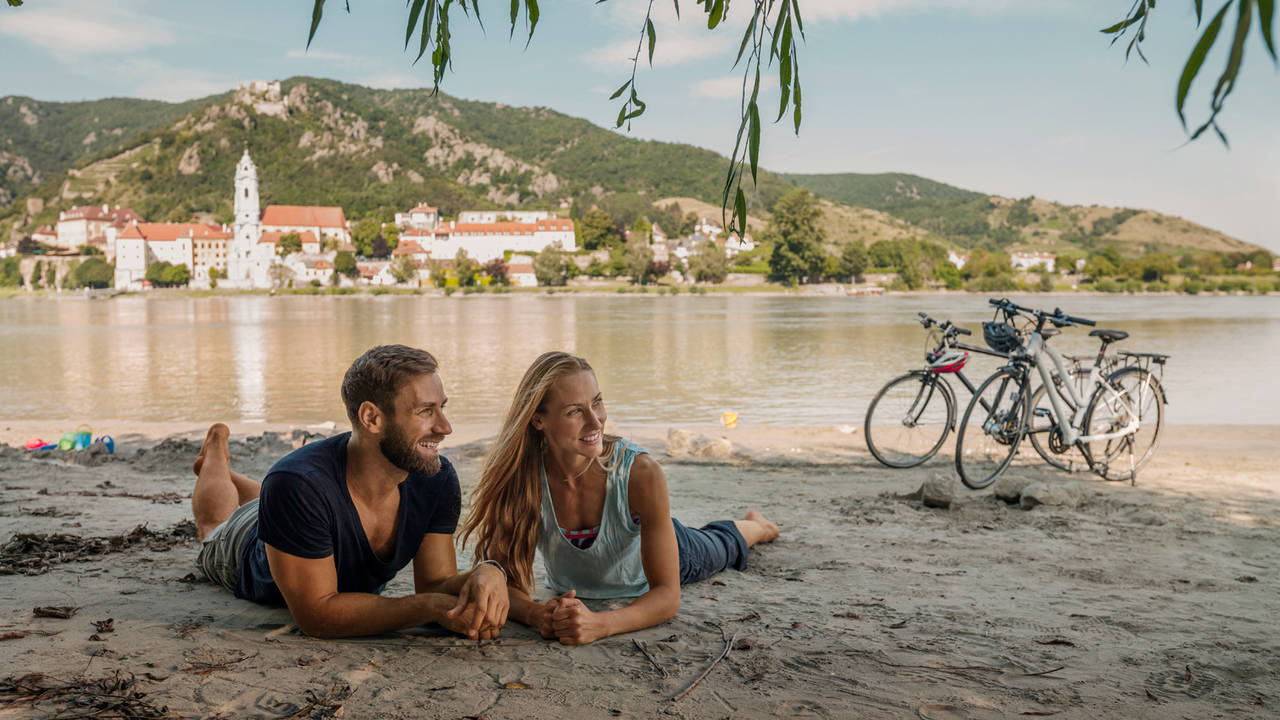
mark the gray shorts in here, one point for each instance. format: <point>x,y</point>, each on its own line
<point>219,557</point>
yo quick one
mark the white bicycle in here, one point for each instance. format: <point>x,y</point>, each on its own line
<point>1115,430</point>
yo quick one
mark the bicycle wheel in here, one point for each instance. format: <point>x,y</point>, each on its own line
<point>1129,391</point>
<point>908,420</point>
<point>1042,427</point>
<point>992,428</point>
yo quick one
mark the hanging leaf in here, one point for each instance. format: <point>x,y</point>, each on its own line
<point>653,37</point>
<point>316,13</point>
<point>1267,17</point>
<point>716,14</point>
<point>618,93</point>
<point>1194,62</point>
<point>753,139</point>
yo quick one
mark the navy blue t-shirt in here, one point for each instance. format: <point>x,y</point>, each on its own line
<point>306,510</point>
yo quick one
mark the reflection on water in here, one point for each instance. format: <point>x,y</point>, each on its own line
<point>778,360</point>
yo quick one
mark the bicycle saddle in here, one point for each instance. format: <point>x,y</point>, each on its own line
<point>1109,336</point>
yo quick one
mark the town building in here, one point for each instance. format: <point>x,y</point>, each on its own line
<point>488,217</point>
<point>957,259</point>
<point>422,217</point>
<point>1032,260</point>
<point>329,224</point>
<point>93,225</point>
<point>520,271</point>
<point>199,246</point>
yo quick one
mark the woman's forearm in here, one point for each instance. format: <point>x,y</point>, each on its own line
<point>655,607</point>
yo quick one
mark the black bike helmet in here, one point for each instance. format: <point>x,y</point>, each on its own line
<point>1001,337</point>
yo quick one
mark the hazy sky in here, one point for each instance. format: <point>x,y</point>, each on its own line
<point>1003,96</point>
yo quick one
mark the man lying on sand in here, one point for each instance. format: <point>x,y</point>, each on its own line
<point>597,508</point>
<point>335,520</point>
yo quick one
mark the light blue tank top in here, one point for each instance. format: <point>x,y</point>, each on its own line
<point>611,567</point>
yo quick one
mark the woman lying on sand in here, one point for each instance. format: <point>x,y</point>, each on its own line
<point>596,507</point>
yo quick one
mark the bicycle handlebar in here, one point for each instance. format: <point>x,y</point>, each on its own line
<point>949,329</point>
<point>1057,317</point>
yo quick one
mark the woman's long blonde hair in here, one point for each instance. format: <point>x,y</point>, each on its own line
<point>506,503</point>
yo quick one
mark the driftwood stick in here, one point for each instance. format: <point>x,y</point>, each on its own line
<point>282,630</point>
<point>1044,672</point>
<point>653,662</point>
<point>723,654</point>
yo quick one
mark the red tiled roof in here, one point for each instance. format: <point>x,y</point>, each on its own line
<point>304,216</point>
<point>274,237</point>
<point>324,265</point>
<point>424,208</point>
<point>159,232</point>
<point>494,228</point>
<point>408,247</point>
<point>519,269</point>
<point>415,233</point>
<point>555,224</point>
<point>96,212</point>
<point>366,271</point>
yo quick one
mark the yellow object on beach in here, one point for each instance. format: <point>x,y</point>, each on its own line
<point>729,419</point>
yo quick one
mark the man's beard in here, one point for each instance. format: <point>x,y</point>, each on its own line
<point>402,451</point>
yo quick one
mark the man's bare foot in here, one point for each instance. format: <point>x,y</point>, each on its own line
<point>215,440</point>
<point>771,531</point>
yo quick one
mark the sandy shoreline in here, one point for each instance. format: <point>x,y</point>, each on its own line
<point>1149,602</point>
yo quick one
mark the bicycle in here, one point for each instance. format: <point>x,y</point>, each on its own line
<point>909,418</point>
<point>1102,429</point>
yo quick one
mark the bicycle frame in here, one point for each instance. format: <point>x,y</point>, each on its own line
<point>1037,348</point>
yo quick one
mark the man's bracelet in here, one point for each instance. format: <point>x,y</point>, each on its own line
<point>495,564</point>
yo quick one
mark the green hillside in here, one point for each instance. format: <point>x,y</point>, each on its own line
<point>378,151</point>
<point>974,220</point>
<point>375,152</point>
<point>39,140</point>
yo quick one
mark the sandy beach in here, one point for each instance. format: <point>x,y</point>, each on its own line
<point>1143,602</point>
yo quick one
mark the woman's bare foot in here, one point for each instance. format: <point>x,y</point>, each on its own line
<point>217,437</point>
<point>771,530</point>
<point>757,528</point>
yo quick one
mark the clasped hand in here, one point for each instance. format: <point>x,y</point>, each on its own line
<point>482,605</point>
<point>568,620</point>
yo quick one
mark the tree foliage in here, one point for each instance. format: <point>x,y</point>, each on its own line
<point>497,271</point>
<point>163,274</point>
<point>597,230</point>
<point>797,236</point>
<point>638,255</point>
<point>345,263</point>
<point>94,273</point>
<point>550,267</point>
<point>403,269</point>
<point>710,264</point>
<point>289,244</point>
<point>1134,26</point>
<point>465,268</point>
<point>771,40</point>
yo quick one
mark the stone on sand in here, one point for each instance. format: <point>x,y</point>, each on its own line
<point>1009,488</point>
<point>938,492</point>
<point>1068,494</point>
<point>682,443</point>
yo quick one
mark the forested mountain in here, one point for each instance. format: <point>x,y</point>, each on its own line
<point>375,152</point>
<point>39,140</point>
<point>970,219</point>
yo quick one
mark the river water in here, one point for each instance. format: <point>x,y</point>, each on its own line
<point>780,360</point>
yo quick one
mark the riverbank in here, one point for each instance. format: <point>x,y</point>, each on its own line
<point>1144,602</point>
<point>613,289</point>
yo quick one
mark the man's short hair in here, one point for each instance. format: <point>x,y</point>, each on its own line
<point>377,376</point>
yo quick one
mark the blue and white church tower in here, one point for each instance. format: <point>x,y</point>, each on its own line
<point>247,226</point>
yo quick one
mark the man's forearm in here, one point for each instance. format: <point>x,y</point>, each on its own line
<point>354,614</point>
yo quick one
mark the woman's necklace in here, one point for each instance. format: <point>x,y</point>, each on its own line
<point>566,480</point>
